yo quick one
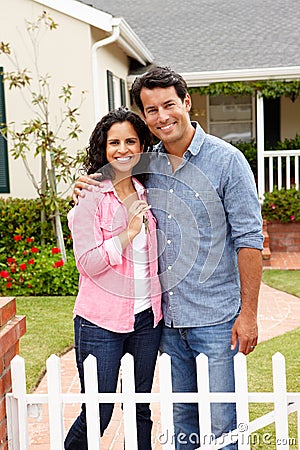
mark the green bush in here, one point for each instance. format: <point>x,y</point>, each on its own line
<point>250,152</point>
<point>25,267</point>
<point>30,271</point>
<point>282,204</point>
<point>22,217</point>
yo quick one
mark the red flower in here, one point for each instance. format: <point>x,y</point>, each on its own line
<point>9,285</point>
<point>29,240</point>
<point>29,286</point>
<point>31,261</point>
<point>23,266</point>
<point>59,263</point>
<point>18,237</point>
<point>25,252</point>
<point>4,274</point>
<point>55,250</point>
<point>10,260</point>
<point>34,250</point>
<point>13,269</point>
<point>292,217</point>
<point>273,206</point>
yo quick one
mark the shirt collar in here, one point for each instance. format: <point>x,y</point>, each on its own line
<point>194,147</point>
<point>107,186</point>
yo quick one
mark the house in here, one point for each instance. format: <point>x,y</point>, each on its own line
<point>91,50</point>
<point>252,45</point>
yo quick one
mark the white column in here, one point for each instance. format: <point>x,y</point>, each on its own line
<point>260,145</point>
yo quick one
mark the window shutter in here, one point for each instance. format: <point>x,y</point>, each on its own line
<point>122,92</point>
<point>110,90</point>
<point>4,179</point>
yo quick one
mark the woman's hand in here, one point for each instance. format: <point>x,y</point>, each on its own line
<point>136,215</point>
<point>84,182</point>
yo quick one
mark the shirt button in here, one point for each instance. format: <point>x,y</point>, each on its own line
<point>197,194</point>
<point>169,267</point>
<point>169,241</point>
<point>171,191</point>
<point>171,293</point>
<point>169,216</point>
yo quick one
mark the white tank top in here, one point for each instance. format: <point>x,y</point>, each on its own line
<point>141,272</point>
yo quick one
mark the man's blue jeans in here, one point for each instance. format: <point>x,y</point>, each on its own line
<point>183,345</point>
<point>109,347</point>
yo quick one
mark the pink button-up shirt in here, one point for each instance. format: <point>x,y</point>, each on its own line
<point>106,281</point>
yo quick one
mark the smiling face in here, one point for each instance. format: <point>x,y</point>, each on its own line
<point>123,148</point>
<point>167,116</point>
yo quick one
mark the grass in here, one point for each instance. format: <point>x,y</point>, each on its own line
<point>284,280</point>
<point>49,330</point>
<point>260,380</point>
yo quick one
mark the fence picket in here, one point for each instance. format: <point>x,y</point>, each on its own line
<point>205,437</point>
<point>129,405</point>
<point>92,405</point>
<point>18,378</point>
<point>166,403</point>
<point>56,424</point>
<point>242,401</point>
<point>280,402</point>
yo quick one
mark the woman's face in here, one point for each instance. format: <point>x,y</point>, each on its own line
<point>123,148</point>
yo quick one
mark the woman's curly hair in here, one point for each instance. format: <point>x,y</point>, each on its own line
<point>95,159</point>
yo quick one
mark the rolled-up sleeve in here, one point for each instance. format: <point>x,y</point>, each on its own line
<point>241,205</point>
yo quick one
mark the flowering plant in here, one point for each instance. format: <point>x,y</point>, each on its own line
<point>31,271</point>
<point>282,205</point>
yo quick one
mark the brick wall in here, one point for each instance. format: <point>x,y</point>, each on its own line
<point>12,328</point>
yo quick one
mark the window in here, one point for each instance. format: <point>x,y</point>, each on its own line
<point>231,118</point>
<point>116,91</point>
<point>4,178</point>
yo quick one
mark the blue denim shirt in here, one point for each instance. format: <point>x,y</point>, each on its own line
<point>207,209</point>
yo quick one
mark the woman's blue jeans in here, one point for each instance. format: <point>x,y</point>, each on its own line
<point>109,347</point>
<point>183,345</point>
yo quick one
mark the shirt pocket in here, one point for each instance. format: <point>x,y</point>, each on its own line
<point>204,206</point>
<point>111,227</point>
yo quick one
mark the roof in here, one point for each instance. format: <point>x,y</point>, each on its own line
<point>127,39</point>
<point>194,36</point>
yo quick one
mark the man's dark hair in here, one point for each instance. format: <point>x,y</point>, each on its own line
<point>162,77</point>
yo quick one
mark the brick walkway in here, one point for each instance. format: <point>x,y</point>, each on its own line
<point>278,312</point>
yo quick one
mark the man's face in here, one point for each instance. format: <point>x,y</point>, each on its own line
<point>166,115</point>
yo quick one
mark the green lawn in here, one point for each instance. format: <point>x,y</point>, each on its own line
<point>49,330</point>
<point>284,280</point>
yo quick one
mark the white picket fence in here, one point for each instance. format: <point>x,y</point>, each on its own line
<point>18,403</point>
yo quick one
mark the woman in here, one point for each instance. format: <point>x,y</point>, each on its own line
<point>118,307</point>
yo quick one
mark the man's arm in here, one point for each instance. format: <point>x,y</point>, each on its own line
<point>84,182</point>
<point>245,330</point>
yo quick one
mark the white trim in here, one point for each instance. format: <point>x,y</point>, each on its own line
<point>84,13</point>
<point>195,79</point>
<point>132,43</point>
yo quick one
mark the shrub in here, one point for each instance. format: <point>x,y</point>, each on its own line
<point>30,271</point>
<point>282,204</point>
<point>22,217</point>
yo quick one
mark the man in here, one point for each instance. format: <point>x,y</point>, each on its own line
<point>204,197</point>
